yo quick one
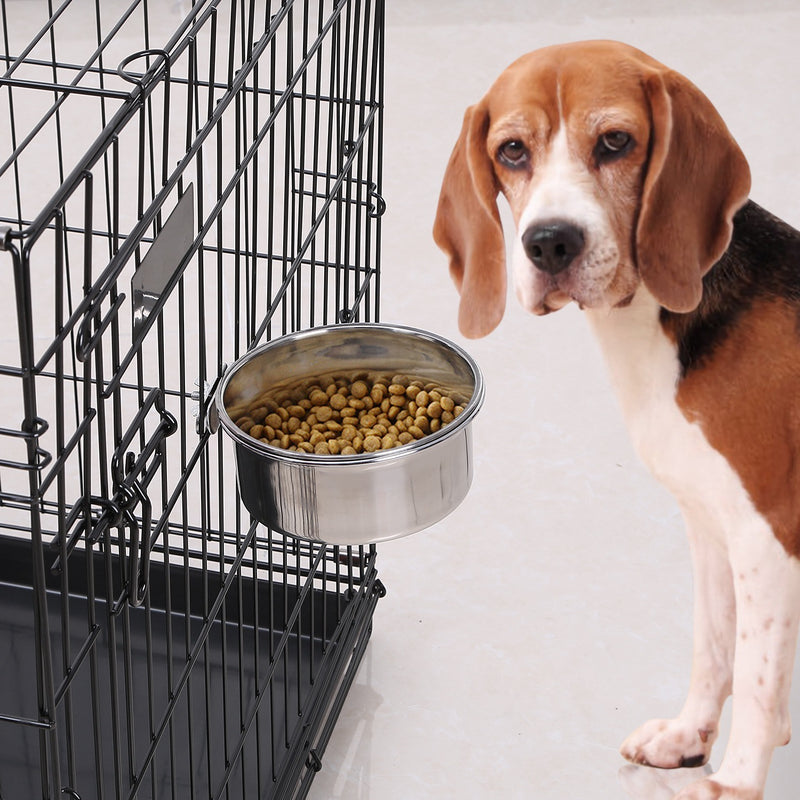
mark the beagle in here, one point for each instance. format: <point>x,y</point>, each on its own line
<point>630,198</point>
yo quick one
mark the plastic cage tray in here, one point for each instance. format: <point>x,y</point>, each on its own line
<point>178,184</point>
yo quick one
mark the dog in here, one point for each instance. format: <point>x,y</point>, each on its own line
<point>631,198</point>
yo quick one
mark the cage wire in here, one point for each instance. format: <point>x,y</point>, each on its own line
<point>178,184</point>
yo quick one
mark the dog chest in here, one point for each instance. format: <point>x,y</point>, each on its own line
<point>644,369</point>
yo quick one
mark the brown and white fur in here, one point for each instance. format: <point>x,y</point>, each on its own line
<point>630,198</point>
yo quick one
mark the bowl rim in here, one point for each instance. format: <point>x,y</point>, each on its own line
<point>379,456</point>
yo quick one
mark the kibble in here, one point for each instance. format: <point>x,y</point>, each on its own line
<point>338,402</point>
<point>372,443</point>
<point>348,415</point>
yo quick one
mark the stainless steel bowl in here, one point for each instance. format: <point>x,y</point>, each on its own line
<point>363,498</point>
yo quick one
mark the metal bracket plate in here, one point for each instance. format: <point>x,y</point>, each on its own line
<point>162,261</point>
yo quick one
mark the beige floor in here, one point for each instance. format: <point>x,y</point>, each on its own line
<point>525,636</point>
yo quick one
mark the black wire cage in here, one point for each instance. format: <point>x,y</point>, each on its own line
<point>167,202</point>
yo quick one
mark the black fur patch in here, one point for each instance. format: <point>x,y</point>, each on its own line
<point>762,261</point>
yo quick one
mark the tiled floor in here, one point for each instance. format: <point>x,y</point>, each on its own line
<point>525,636</point>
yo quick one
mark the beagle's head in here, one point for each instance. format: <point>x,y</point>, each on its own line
<point>618,172</point>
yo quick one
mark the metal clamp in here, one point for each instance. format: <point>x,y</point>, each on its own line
<point>207,411</point>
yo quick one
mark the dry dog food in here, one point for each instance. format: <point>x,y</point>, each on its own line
<point>346,415</point>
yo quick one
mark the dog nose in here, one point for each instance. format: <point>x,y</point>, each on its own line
<point>553,246</point>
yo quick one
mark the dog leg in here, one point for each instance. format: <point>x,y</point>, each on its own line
<point>767,584</point>
<point>686,741</point>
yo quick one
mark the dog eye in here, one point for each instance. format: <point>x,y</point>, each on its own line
<point>613,143</point>
<point>513,153</point>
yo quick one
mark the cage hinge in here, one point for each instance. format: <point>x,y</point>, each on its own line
<point>313,761</point>
<point>5,235</point>
<point>378,588</point>
<point>378,207</point>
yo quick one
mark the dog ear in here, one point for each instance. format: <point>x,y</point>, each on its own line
<point>696,180</point>
<point>469,231</point>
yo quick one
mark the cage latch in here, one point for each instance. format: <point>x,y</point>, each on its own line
<point>132,475</point>
<point>140,547</point>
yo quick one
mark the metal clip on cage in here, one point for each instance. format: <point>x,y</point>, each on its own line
<point>174,191</point>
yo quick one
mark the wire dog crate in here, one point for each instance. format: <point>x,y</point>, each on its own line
<point>167,202</point>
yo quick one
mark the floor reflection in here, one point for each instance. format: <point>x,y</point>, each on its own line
<point>347,762</point>
<point>648,783</point>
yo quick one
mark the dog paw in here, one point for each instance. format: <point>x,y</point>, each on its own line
<point>669,744</point>
<point>709,789</point>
